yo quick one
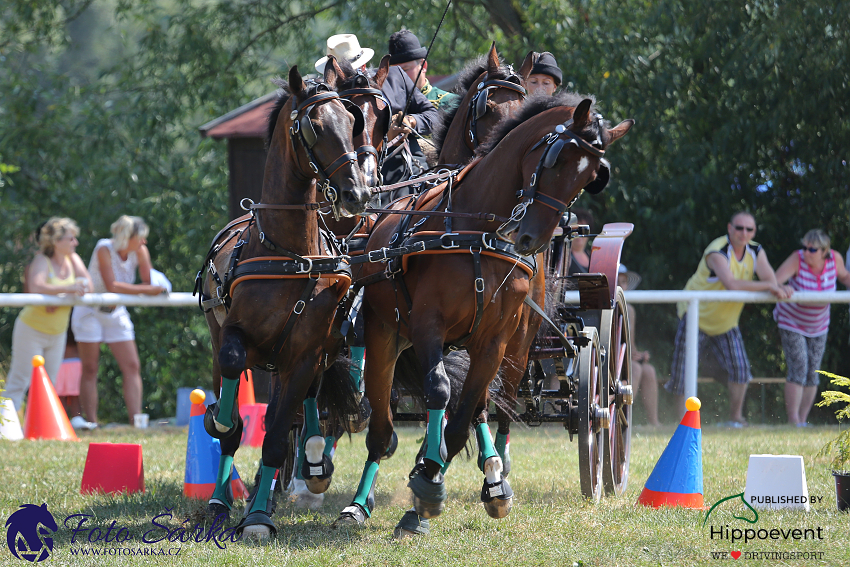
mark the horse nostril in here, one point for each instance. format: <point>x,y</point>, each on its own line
<point>523,242</point>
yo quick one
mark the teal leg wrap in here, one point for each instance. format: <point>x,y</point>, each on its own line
<point>265,492</point>
<point>436,447</point>
<point>225,466</point>
<point>485,444</point>
<point>501,444</point>
<point>445,467</point>
<point>356,369</point>
<point>226,400</point>
<point>311,419</point>
<point>366,490</point>
<point>329,445</point>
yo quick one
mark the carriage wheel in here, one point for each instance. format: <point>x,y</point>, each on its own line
<point>591,417</point>
<point>617,371</point>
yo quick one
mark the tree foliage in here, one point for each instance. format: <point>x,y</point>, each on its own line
<point>738,106</point>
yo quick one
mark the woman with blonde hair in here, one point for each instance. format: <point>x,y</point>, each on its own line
<point>41,330</point>
<point>803,326</point>
<point>113,270</point>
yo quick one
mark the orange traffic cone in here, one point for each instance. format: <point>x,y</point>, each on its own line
<point>45,417</point>
<point>246,389</point>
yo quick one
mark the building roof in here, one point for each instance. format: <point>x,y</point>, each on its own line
<point>247,121</point>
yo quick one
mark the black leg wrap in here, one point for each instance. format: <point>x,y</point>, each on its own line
<point>317,476</point>
<point>258,518</point>
<point>353,514</point>
<point>209,424</point>
<point>497,498</point>
<point>429,496</point>
<point>411,524</point>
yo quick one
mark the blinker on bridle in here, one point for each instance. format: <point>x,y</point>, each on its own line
<point>302,129</point>
<point>478,103</point>
<point>346,95</point>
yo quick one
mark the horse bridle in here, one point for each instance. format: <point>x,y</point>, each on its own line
<point>554,143</point>
<point>478,103</point>
<point>380,154</point>
<point>302,129</point>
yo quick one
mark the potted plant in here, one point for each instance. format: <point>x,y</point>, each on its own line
<point>838,448</point>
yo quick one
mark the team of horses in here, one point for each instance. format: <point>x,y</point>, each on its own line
<point>444,269</point>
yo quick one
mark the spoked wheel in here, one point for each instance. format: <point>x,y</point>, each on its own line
<point>617,372</point>
<point>592,417</point>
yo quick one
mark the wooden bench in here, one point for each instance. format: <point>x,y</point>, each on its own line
<point>762,381</point>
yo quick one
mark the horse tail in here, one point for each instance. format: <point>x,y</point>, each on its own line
<point>338,393</point>
<point>410,376</point>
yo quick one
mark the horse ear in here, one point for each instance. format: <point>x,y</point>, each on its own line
<point>620,130</point>
<point>493,60</point>
<point>332,72</point>
<point>528,65</point>
<point>383,71</point>
<point>296,83</point>
<point>581,114</point>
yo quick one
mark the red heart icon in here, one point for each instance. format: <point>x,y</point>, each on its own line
<point>735,554</point>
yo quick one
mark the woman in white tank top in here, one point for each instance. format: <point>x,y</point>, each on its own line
<point>113,270</point>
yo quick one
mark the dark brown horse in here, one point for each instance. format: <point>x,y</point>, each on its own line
<point>461,283</point>
<point>272,286</point>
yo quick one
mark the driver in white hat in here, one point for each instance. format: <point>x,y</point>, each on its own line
<point>345,46</point>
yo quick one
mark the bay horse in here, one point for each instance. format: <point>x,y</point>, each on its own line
<point>544,158</point>
<point>273,284</point>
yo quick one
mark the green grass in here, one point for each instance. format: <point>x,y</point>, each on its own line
<point>550,524</point>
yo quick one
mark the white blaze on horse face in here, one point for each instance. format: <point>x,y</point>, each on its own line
<point>582,164</point>
<point>493,470</point>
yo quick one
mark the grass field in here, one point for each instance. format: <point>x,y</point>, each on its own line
<point>550,524</point>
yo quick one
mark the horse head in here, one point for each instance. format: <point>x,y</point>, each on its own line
<point>492,91</point>
<point>568,158</point>
<point>321,130</point>
<point>364,95</point>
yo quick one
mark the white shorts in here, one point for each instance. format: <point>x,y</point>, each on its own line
<point>92,325</point>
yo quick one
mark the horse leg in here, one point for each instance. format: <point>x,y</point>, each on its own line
<point>381,440</point>
<point>222,417</point>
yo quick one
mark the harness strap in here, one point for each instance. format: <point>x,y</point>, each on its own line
<point>297,309</point>
<point>476,216</point>
<point>479,301</point>
<point>350,157</point>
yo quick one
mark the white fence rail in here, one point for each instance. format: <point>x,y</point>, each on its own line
<point>185,299</point>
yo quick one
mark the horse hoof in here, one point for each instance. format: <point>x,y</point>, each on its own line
<point>429,496</point>
<point>317,485</point>
<point>302,497</point>
<point>393,446</point>
<point>216,509</point>
<point>359,421</point>
<point>498,508</point>
<point>411,525</point>
<point>214,428</point>
<point>353,515</point>
<point>256,533</point>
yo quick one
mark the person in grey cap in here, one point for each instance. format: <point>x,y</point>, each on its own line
<point>545,75</point>
<point>406,52</point>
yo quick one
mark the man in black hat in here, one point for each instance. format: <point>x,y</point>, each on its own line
<point>545,75</point>
<point>406,52</point>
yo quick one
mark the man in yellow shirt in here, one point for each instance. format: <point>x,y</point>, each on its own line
<point>729,262</point>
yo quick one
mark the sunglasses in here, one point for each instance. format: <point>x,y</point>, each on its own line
<point>813,250</point>
<point>747,228</point>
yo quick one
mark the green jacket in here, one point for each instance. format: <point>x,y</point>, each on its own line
<point>441,99</point>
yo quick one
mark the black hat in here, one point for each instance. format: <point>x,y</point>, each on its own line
<point>546,65</point>
<point>404,47</point>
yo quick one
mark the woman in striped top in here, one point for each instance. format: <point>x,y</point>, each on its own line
<point>803,327</point>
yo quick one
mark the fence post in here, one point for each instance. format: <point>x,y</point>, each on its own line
<point>692,348</point>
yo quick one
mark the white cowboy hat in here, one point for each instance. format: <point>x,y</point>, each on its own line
<point>633,277</point>
<point>345,46</point>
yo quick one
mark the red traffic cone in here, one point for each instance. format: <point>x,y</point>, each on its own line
<point>113,468</point>
<point>45,417</point>
<point>246,389</point>
<point>676,479</point>
<point>203,454</point>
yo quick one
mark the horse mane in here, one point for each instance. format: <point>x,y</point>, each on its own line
<point>537,104</point>
<point>466,77</point>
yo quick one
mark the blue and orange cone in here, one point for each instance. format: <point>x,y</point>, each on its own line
<point>676,479</point>
<point>203,454</point>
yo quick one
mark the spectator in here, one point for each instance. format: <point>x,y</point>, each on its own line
<point>113,269</point>
<point>41,330</point>
<point>729,262</point>
<point>68,384</point>
<point>579,257</point>
<point>803,327</point>
<point>545,75</point>
<point>643,372</point>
